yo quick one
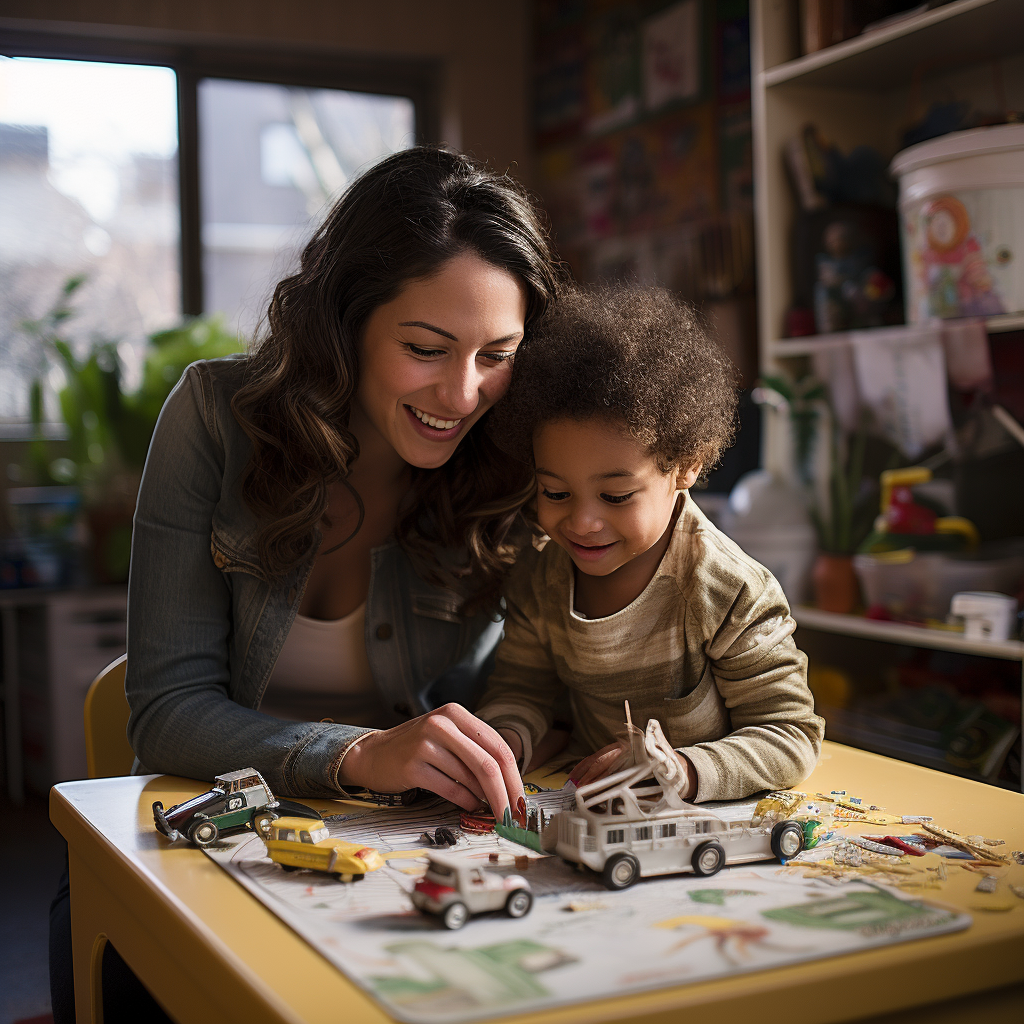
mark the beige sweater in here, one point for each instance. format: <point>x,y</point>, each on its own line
<point>707,649</point>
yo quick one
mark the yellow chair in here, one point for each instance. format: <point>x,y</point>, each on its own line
<point>107,751</point>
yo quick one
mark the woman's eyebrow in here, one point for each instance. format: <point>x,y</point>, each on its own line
<point>541,471</point>
<point>450,336</point>
<point>429,327</point>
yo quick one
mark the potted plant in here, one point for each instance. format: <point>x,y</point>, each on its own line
<point>109,428</point>
<point>842,521</point>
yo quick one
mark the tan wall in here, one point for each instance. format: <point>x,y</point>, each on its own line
<point>482,46</point>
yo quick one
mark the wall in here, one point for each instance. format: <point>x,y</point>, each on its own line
<point>482,47</point>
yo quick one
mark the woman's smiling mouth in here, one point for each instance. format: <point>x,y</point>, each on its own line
<point>433,427</point>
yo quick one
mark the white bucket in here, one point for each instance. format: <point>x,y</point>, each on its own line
<point>962,223</point>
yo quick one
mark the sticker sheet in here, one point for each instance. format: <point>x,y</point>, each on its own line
<point>581,941</point>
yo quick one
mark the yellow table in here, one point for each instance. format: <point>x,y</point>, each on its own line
<point>209,951</point>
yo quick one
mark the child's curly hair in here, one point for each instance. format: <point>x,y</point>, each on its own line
<point>632,353</point>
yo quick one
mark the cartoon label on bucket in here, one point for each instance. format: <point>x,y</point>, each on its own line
<point>959,251</point>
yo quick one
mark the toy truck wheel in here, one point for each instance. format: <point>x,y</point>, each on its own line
<point>455,916</point>
<point>620,871</point>
<point>203,833</point>
<point>288,867</point>
<point>346,877</point>
<point>787,839</point>
<point>519,903</point>
<point>261,821</point>
<point>708,858</point>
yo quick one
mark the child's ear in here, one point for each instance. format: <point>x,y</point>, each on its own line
<point>686,478</point>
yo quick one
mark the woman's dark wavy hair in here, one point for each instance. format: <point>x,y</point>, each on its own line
<point>400,221</point>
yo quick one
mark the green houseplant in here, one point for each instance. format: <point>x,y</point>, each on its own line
<point>109,428</point>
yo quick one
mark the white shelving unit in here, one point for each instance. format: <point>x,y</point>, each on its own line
<point>865,91</point>
<point>913,636</point>
<point>862,91</point>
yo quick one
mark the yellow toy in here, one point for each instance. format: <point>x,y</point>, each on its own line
<point>296,843</point>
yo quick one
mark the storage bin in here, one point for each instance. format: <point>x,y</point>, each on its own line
<point>925,583</point>
<point>962,223</point>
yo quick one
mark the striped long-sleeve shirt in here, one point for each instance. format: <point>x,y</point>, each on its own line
<point>707,649</point>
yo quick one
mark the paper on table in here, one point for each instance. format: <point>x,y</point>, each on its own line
<point>901,375</point>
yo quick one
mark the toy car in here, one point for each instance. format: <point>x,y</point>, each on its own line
<point>454,888</point>
<point>296,843</point>
<point>238,801</point>
<point>634,824</point>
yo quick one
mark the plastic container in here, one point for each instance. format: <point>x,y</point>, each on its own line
<point>962,223</point>
<point>924,584</point>
<point>768,518</point>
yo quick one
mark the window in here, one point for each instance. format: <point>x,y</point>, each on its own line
<point>615,836</point>
<point>667,831</point>
<point>176,180</point>
<point>642,832</point>
<point>88,185</point>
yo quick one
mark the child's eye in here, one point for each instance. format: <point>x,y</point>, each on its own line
<point>554,495</point>
<point>416,350</point>
<point>617,499</point>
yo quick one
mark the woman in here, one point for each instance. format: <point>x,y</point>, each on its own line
<point>315,520</point>
<point>318,522</point>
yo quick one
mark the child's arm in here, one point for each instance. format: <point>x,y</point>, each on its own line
<point>762,677</point>
<point>524,686</point>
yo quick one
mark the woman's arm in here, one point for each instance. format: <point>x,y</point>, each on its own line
<point>180,622</point>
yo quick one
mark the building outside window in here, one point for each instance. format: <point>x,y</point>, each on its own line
<point>90,186</point>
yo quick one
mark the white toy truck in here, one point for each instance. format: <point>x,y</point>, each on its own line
<point>633,823</point>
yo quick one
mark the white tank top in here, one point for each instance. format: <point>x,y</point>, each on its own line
<point>323,672</point>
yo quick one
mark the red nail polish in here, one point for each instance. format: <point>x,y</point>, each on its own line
<point>521,810</point>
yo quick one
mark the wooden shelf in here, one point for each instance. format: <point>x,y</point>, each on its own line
<point>912,636</point>
<point>957,35</point>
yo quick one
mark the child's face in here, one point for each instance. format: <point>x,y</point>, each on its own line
<point>599,494</point>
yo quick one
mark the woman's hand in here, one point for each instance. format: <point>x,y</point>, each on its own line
<point>449,751</point>
<point>597,765</point>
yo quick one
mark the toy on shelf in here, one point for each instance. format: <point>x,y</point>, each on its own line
<point>906,523</point>
<point>454,888</point>
<point>634,824</point>
<point>238,801</point>
<point>297,843</point>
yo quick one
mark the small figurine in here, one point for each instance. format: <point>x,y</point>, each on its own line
<point>454,888</point>
<point>238,801</point>
<point>443,836</point>
<point>296,843</point>
<point>634,824</point>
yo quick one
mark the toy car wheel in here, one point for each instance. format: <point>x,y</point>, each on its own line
<point>346,877</point>
<point>787,839</point>
<point>455,916</point>
<point>203,832</point>
<point>288,867</point>
<point>519,903</point>
<point>261,821</point>
<point>708,858</point>
<point>620,871</point>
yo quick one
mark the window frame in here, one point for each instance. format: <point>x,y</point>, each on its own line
<point>415,78</point>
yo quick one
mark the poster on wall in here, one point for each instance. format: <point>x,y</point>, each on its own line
<point>671,55</point>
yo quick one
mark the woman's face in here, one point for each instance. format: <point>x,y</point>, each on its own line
<point>437,357</point>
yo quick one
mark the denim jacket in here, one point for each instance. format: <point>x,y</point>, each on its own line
<point>205,626</point>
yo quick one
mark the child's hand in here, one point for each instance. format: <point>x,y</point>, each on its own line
<point>597,766</point>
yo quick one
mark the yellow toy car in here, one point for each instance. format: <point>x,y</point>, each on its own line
<point>296,843</point>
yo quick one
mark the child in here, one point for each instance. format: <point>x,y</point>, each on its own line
<point>623,400</point>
